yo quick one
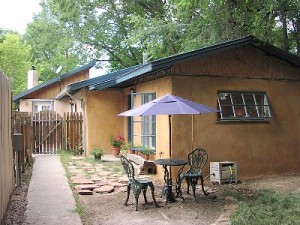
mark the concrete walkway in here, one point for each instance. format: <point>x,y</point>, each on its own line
<point>50,198</point>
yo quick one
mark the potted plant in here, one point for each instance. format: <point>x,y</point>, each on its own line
<point>116,142</point>
<point>147,152</point>
<point>127,147</point>
<point>97,153</point>
<point>137,149</point>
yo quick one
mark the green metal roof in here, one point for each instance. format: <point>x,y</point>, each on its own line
<point>53,81</point>
<point>124,77</point>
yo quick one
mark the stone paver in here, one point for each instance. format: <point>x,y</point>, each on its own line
<point>85,192</point>
<point>86,187</point>
<point>104,189</point>
<point>82,181</point>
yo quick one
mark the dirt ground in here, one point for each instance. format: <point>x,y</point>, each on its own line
<point>109,208</point>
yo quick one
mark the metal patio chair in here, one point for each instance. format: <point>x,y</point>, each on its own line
<point>196,161</point>
<point>137,185</point>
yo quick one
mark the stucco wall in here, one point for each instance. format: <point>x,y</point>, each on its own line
<point>102,108</point>
<point>259,148</point>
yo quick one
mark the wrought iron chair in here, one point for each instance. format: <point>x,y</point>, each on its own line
<point>196,160</point>
<point>137,185</point>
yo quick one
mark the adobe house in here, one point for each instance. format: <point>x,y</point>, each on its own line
<point>254,84</point>
<point>44,96</point>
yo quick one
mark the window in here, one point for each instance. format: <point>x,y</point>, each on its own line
<point>142,131</point>
<point>243,106</point>
<point>42,105</point>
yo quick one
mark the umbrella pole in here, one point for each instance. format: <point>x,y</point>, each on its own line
<point>192,132</point>
<point>170,136</point>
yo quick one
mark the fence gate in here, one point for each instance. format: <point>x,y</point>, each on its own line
<point>47,129</point>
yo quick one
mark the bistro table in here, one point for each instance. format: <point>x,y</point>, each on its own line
<point>167,190</point>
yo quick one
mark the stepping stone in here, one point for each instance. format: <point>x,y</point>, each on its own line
<point>85,192</point>
<point>72,167</point>
<point>116,184</point>
<point>81,176</point>
<point>96,179</point>
<point>104,173</point>
<point>88,168</point>
<point>86,187</point>
<point>123,179</point>
<point>101,183</point>
<point>82,181</point>
<point>123,189</point>
<point>104,189</point>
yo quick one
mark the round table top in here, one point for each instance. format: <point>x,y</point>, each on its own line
<point>170,162</point>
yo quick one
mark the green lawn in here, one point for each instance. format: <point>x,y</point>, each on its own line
<point>267,207</point>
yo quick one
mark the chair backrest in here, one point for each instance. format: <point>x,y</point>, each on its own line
<point>197,160</point>
<point>128,167</point>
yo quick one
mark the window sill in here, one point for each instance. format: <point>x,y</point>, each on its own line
<point>222,121</point>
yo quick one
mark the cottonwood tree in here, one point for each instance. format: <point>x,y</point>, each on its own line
<point>15,61</point>
<point>53,46</point>
<point>120,31</point>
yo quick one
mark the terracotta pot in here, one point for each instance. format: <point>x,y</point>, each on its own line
<point>115,151</point>
<point>130,151</point>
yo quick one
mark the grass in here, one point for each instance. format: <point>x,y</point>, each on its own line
<point>114,167</point>
<point>267,207</point>
<point>65,157</point>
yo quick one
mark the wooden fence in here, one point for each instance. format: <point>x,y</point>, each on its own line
<point>6,152</point>
<point>22,125</point>
<point>73,127</point>
<point>46,132</point>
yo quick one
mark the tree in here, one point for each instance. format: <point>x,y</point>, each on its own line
<point>15,61</point>
<point>120,31</point>
<point>53,46</point>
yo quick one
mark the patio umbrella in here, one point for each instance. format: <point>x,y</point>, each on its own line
<point>168,105</point>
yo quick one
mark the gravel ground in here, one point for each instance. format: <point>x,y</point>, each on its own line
<point>17,207</point>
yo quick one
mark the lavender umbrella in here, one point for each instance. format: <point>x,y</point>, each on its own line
<point>168,105</point>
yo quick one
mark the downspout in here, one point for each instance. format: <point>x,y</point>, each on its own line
<point>82,100</point>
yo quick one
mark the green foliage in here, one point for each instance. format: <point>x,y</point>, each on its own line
<point>15,61</point>
<point>52,44</point>
<point>270,207</point>
<point>147,151</point>
<point>68,33</point>
<point>125,146</point>
<point>116,141</point>
<point>97,152</point>
<point>65,157</point>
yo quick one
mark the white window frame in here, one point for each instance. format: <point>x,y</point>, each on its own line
<point>243,106</point>
<point>147,133</point>
<point>39,105</point>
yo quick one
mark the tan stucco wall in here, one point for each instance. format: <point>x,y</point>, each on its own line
<point>259,148</point>
<point>60,106</point>
<point>25,105</point>
<point>102,108</point>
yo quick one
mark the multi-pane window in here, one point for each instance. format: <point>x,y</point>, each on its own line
<point>42,105</point>
<point>243,106</point>
<point>142,128</point>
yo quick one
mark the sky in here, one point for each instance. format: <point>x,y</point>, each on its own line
<point>15,14</point>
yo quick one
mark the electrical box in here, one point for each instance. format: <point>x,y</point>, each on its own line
<point>223,172</point>
<point>17,142</point>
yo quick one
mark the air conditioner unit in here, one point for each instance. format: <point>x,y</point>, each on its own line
<point>223,172</point>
